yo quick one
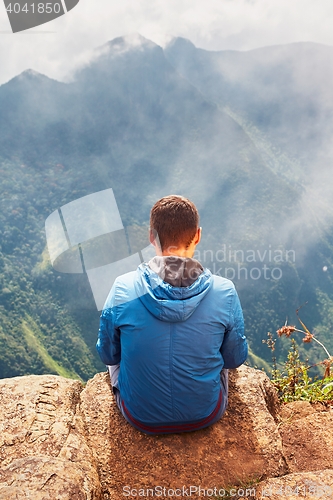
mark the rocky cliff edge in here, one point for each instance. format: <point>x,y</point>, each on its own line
<point>62,441</point>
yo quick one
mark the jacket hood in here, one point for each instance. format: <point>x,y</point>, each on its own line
<point>171,288</point>
<point>177,271</point>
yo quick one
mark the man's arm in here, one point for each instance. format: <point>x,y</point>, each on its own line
<point>234,348</point>
<point>108,342</point>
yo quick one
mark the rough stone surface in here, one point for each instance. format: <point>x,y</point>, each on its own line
<point>244,443</point>
<point>60,441</point>
<point>311,485</point>
<point>43,452</point>
<point>307,434</point>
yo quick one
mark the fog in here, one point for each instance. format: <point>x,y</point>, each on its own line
<point>245,135</point>
<point>58,46</point>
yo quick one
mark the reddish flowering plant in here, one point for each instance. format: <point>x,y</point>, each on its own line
<point>294,382</point>
<point>308,337</point>
<point>286,330</point>
<point>327,363</point>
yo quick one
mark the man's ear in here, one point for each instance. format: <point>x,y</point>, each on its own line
<point>197,236</point>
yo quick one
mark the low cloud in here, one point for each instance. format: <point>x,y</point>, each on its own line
<point>56,47</point>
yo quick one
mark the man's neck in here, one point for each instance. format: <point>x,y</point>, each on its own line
<point>185,253</point>
<point>173,250</point>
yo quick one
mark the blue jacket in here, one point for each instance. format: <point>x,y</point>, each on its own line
<point>172,343</point>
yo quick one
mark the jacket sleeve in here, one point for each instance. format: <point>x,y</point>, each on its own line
<point>234,347</point>
<point>108,342</point>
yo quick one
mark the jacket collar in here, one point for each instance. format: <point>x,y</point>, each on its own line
<point>177,271</point>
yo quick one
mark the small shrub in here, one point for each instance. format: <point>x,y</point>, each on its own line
<point>293,382</point>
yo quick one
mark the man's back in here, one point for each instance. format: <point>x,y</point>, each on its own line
<point>172,342</point>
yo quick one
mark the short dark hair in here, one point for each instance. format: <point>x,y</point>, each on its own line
<point>175,220</point>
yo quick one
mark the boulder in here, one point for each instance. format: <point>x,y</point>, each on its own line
<point>43,451</point>
<point>317,484</point>
<point>62,441</point>
<point>307,434</point>
<point>244,444</point>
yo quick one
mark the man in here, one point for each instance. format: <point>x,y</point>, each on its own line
<point>170,330</point>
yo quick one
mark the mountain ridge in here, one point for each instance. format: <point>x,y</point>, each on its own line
<point>136,124</point>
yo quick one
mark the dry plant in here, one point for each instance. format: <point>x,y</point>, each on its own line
<point>294,382</point>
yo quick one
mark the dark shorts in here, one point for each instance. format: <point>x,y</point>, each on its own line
<point>114,373</point>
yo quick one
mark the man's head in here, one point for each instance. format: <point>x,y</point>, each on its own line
<point>175,221</point>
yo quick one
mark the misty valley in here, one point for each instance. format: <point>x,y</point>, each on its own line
<point>247,136</point>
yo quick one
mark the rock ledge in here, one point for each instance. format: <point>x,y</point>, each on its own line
<point>62,441</point>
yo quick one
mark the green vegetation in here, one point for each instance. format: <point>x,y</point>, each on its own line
<point>33,340</point>
<point>294,382</point>
<point>257,362</point>
<point>129,121</point>
<point>40,331</point>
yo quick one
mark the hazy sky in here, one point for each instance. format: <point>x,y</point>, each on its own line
<point>54,48</point>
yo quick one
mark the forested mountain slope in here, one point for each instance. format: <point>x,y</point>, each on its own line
<point>133,120</point>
